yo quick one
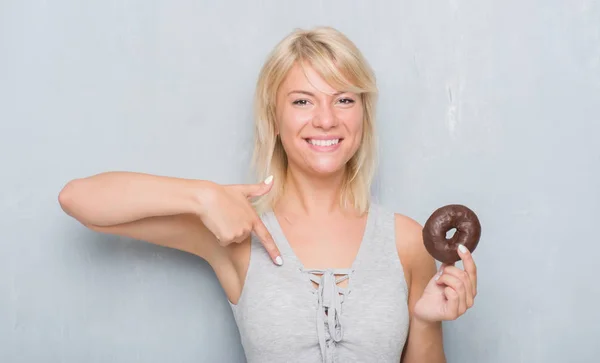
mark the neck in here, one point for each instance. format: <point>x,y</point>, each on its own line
<point>311,196</point>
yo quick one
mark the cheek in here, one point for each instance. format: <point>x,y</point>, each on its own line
<point>355,125</point>
<point>288,134</point>
<point>291,123</point>
<point>357,140</point>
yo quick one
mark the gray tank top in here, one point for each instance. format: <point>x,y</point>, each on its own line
<point>282,317</point>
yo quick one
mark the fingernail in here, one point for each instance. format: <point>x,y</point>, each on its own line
<point>269,179</point>
<point>462,249</point>
<point>278,260</point>
<point>437,276</point>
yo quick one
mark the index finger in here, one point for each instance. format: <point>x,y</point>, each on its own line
<point>267,240</point>
<point>469,265</point>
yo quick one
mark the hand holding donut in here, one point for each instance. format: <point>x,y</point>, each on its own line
<point>451,291</point>
<point>227,212</point>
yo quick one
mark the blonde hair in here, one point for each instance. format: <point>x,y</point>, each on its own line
<point>335,58</point>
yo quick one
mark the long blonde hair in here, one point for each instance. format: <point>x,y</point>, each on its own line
<point>341,64</point>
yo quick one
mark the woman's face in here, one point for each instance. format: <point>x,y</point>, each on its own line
<point>320,127</point>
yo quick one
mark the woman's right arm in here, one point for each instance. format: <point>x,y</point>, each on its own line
<point>184,214</point>
<point>156,209</point>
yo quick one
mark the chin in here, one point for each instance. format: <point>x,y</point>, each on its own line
<point>326,167</point>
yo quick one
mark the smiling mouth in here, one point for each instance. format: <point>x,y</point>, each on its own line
<point>322,143</point>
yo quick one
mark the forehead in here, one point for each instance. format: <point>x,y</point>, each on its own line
<point>305,78</point>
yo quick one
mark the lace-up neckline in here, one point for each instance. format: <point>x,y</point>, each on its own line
<point>329,295</point>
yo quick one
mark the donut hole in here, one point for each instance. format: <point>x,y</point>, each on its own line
<point>450,233</point>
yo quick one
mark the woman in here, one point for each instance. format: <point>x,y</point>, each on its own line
<point>314,271</point>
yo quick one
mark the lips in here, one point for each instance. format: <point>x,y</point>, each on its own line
<point>323,142</point>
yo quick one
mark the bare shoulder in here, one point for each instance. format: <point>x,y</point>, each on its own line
<point>417,263</point>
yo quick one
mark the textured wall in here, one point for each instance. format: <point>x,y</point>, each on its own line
<point>489,103</point>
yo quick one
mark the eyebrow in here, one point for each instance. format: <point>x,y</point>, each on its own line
<point>312,94</point>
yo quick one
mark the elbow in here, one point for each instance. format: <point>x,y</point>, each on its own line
<point>73,199</point>
<point>67,197</point>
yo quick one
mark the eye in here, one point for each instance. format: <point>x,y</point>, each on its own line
<point>300,102</point>
<point>346,101</point>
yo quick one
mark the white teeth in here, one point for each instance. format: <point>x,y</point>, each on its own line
<point>323,142</point>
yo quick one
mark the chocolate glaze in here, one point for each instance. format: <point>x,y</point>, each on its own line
<point>468,232</point>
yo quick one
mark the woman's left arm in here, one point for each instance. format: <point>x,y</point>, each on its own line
<point>434,296</point>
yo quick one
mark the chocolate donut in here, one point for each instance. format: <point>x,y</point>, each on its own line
<point>444,219</point>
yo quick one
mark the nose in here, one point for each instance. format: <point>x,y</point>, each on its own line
<point>325,117</point>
